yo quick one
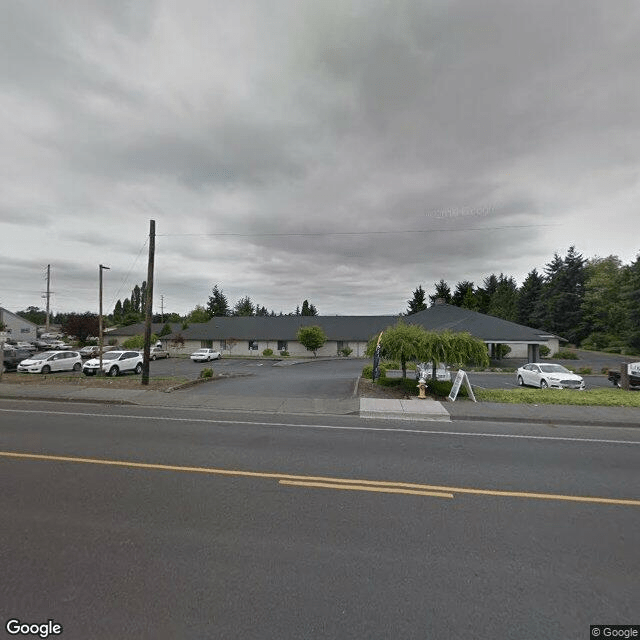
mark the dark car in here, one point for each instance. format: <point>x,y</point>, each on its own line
<point>12,358</point>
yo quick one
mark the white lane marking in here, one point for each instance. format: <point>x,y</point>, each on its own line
<point>326,426</point>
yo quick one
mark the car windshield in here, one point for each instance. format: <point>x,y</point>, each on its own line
<point>553,368</point>
<point>42,355</point>
<point>202,351</point>
<point>111,355</point>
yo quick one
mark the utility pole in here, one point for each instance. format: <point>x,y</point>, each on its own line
<point>162,308</point>
<point>149,303</point>
<point>100,338</point>
<point>48,296</point>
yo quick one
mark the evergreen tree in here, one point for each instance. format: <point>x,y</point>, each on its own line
<point>486,292</point>
<point>305,309</point>
<point>529,310</point>
<point>244,307</point>
<point>143,297</point>
<point>417,303</point>
<point>562,296</point>
<point>631,303</point>
<point>504,302</point>
<point>298,310</point>
<point>464,295</point>
<point>117,312</point>
<point>135,299</point>
<point>312,310</point>
<point>442,291</point>
<point>126,307</point>
<point>217,306</point>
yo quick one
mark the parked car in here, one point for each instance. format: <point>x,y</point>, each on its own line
<point>633,369</point>
<point>59,345</point>
<point>426,368</point>
<point>93,351</point>
<point>545,375</point>
<point>11,358</point>
<point>48,361</point>
<point>114,363</point>
<point>158,352</point>
<point>205,355</point>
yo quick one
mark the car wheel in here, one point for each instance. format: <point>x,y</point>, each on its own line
<point>520,381</point>
<point>138,368</point>
<point>77,366</point>
<point>113,372</point>
<point>543,384</point>
<point>45,369</point>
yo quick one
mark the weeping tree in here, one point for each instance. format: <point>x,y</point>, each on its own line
<point>411,342</point>
<point>447,347</point>
<point>400,342</point>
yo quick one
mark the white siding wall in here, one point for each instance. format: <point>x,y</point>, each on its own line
<point>19,328</point>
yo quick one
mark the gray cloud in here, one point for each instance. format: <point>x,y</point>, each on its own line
<point>312,117</point>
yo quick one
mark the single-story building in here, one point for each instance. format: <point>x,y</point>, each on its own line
<point>251,335</point>
<point>17,327</point>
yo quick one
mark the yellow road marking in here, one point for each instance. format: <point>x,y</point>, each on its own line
<point>341,481</point>
<point>361,487</point>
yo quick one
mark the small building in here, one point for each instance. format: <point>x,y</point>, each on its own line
<point>251,335</point>
<point>17,327</point>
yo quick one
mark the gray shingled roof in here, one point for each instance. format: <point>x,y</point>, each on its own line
<point>138,329</point>
<point>480,325</point>
<point>437,318</point>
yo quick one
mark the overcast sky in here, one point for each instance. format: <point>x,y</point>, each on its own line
<point>396,142</point>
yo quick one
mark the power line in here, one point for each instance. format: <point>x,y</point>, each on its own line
<point>348,233</point>
<point>124,280</point>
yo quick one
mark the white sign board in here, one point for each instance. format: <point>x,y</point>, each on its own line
<point>461,377</point>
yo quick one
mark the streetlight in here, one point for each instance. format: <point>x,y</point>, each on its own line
<point>100,342</point>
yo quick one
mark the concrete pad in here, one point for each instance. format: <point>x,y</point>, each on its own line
<point>403,409</point>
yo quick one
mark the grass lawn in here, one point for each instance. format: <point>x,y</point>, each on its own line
<point>589,397</point>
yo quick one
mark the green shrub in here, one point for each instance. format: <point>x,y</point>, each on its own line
<point>605,370</point>
<point>442,388</point>
<point>267,352</point>
<point>583,371</point>
<point>563,354</point>
<point>613,350</point>
<point>502,351</point>
<point>367,371</point>
<point>284,354</point>
<point>206,373</point>
<point>346,352</point>
<point>137,342</point>
<point>544,351</point>
<point>408,385</point>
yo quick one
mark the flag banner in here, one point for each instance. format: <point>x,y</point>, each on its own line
<point>376,360</point>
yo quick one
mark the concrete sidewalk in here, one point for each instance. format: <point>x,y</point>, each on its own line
<point>414,409</point>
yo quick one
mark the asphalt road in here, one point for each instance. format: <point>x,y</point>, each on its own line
<point>233,537</point>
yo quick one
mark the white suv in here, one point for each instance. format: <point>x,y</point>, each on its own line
<point>48,361</point>
<point>114,363</point>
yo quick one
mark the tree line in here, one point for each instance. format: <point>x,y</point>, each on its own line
<point>594,303</point>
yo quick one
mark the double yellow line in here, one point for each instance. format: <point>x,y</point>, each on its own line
<point>321,482</point>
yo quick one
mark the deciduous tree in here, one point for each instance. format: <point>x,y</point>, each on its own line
<point>311,338</point>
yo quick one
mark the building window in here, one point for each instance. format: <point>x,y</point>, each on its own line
<point>282,345</point>
<point>223,345</point>
<point>23,330</point>
<point>253,345</point>
<point>206,344</point>
<point>341,344</point>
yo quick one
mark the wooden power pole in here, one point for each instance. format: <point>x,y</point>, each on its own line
<point>149,303</point>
